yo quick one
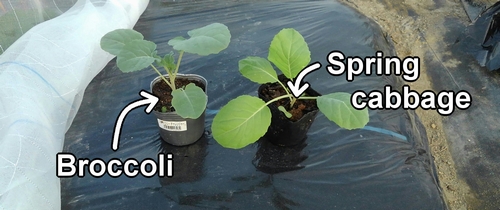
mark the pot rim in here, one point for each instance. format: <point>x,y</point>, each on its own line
<point>203,80</point>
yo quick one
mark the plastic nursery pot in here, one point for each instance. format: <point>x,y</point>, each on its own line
<point>283,131</point>
<point>174,129</point>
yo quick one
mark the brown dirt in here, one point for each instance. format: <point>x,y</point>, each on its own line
<point>300,107</point>
<point>164,92</point>
<point>417,28</point>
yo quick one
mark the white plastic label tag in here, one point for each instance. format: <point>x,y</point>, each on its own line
<point>173,125</point>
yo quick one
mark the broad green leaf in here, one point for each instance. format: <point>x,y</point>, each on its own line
<point>241,122</point>
<point>337,108</point>
<point>289,52</point>
<point>257,70</point>
<point>210,39</point>
<point>189,102</point>
<point>282,109</point>
<point>114,41</point>
<point>136,55</point>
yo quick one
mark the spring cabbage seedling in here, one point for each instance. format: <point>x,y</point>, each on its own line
<point>246,118</point>
<point>134,53</point>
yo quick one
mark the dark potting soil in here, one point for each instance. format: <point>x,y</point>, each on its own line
<point>164,92</point>
<point>299,108</point>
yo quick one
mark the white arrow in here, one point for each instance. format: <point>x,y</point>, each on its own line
<point>296,89</point>
<point>148,99</point>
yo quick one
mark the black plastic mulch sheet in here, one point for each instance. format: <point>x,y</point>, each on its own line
<point>386,165</point>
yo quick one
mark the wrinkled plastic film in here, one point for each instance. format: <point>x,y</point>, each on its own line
<point>42,79</point>
<point>386,165</point>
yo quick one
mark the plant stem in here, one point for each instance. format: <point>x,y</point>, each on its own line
<point>161,76</point>
<point>308,97</point>
<point>174,75</point>
<point>166,70</point>
<point>178,62</point>
<point>172,81</point>
<point>284,87</point>
<point>278,98</point>
<point>292,102</point>
<point>271,101</point>
<point>290,96</point>
<point>285,96</point>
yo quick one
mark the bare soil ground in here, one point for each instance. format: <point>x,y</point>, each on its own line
<point>417,28</point>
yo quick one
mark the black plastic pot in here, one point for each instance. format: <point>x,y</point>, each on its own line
<point>176,130</point>
<point>283,131</point>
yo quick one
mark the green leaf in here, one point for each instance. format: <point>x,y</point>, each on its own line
<point>176,40</point>
<point>241,122</point>
<point>168,62</point>
<point>189,102</point>
<point>337,108</point>
<point>114,41</point>
<point>257,70</point>
<point>136,55</point>
<point>289,52</point>
<point>156,56</point>
<point>282,109</point>
<point>210,39</point>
